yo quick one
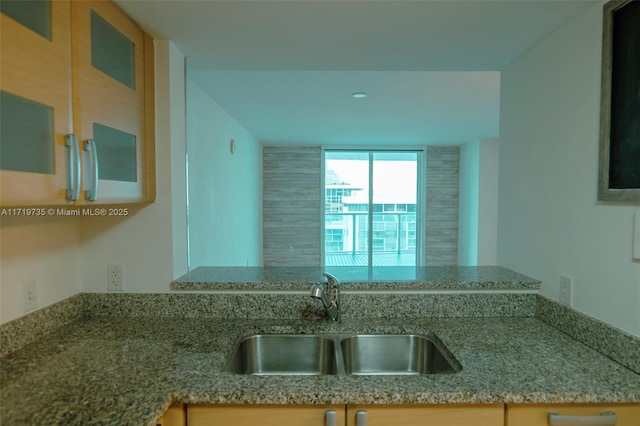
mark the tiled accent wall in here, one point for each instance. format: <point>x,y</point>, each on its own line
<point>292,200</point>
<point>291,205</point>
<point>443,187</point>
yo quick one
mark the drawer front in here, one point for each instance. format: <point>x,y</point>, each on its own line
<point>538,415</point>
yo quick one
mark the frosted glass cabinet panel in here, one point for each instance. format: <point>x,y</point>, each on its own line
<point>33,14</point>
<point>27,135</point>
<point>116,154</point>
<point>36,76</point>
<point>112,52</point>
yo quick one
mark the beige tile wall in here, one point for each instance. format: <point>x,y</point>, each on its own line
<point>292,205</point>
<point>443,187</point>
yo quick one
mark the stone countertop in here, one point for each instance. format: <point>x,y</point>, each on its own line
<point>356,278</point>
<point>127,371</point>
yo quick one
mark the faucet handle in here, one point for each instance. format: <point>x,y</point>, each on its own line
<point>331,280</point>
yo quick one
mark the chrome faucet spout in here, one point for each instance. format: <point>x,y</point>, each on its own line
<point>318,292</point>
<point>329,294</point>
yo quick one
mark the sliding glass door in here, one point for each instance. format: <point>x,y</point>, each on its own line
<point>372,208</point>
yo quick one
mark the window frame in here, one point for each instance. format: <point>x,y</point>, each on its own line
<point>420,210</point>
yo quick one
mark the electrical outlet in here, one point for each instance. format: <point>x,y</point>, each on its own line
<point>115,278</point>
<point>636,237</point>
<point>566,289</point>
<point>29,295</point>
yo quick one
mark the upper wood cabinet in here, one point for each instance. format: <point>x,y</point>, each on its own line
<point>35,103</point>
<point>92,77</point>
<point>109,94</point>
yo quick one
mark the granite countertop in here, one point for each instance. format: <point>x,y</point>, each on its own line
<point>356,278</point>
<point>119,371</point>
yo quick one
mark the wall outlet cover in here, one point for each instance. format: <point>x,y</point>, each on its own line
<point>115,278</point>
<point>636,237</point>
<point>29,295</point>
<point>566,290</point>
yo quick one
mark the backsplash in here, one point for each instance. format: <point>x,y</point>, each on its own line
<point>608,340</point>
<point>301,306</point>
<point>35,325</point>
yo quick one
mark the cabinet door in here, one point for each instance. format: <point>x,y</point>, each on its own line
<point>421,415</point>
<point>174,416</point>
<point>35,102</point>
<point>265,415</point>
<point>109,100</point>
<point>538,415</point>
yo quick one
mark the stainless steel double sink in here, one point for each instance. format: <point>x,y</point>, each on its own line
<point>341,354</point>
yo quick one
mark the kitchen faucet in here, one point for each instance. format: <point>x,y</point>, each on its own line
<point>329,294</point>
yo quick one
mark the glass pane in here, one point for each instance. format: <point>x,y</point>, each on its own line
<point>116,154</point>
<point>27,136</point>
<point>33,14</point>
<point>112,52</point>
<point>346,208</point>
<point>395,191</point>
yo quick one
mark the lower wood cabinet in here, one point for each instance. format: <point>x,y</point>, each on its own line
<point>340,415</point>
<point>425,415</point>
<point>265,415</point>
<point>176,415</point>
<point>584,414</point>
<point>400,415</point>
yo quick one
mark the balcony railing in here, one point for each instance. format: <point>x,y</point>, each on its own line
<point>347,233</point>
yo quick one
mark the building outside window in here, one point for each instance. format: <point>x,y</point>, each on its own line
<point>371,186</point>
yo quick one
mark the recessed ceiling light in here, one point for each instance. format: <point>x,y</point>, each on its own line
<point>359,95</point>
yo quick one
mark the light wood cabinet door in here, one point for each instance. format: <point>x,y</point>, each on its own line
<point>538,415</point>
<point>110,97</point>
<point>265,415</point>
<point>425,415</point>
<point>176,415</point>
<point>82,68</point>
<point>35,104</point>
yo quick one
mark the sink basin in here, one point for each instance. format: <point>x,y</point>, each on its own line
<point>394,354</point>
<point>340,354</point>
<point>284,354</point>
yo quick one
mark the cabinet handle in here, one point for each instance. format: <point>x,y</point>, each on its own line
<point>73,183</point>
<point>90,147</point>
<point>361,418</point>
<point>606,418</point>
<point>331,418</point>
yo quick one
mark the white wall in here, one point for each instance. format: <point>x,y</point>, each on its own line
<point>225,189</point>
<point>488,182</point>
<point>44,249</point>
<point>478,215</point>
<point>468,207</point>
<point>550,222</point>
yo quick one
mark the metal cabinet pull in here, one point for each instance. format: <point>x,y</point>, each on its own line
<point>92,191</point>
<point>331,418</point>
<point>73,182</point>
<point>604,419</point>
<point>361,418</point>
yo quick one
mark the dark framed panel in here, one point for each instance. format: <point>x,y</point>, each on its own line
<point>619,176</point>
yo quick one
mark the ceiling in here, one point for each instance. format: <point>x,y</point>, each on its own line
<point>285,70</point>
